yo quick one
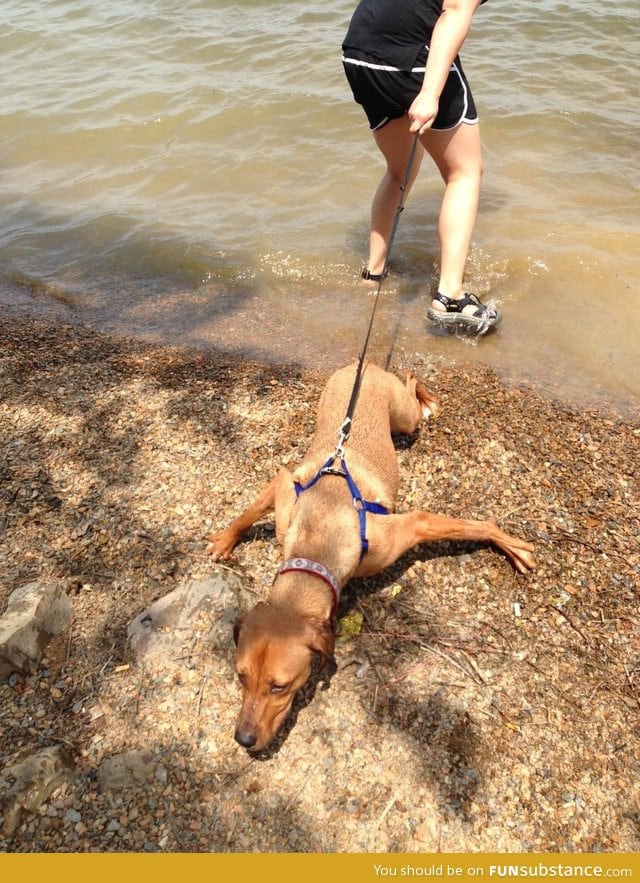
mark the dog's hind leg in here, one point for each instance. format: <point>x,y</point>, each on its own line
<point>410,403</point>
<point>430,405</point>
<point>222,544</point>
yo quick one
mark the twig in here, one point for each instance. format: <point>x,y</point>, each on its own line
<point>572,538</point>
<point>203,683</point>
<point>385,812</point>
<point>136,705</point>
<point>573,626</point>
<point>555,689</point>
<point>500,634</point>
<point>630,679</point>
<point>453,662</point>
<point>399,636</point>
<point>66,662</point>
<point>232,777</point>
<point>401,678</point>
<point>511,512</point>
<point>104,667</point>
<point>467,646</point>
<point>474,666</point>
<point>300,789</point>
<point>455,645</point>
<point>595,690</point>
<point>227,567</point>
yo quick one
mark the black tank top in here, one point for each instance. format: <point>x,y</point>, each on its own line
<point>394,31</point>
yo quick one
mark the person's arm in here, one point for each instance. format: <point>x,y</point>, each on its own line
<point>448,36</point>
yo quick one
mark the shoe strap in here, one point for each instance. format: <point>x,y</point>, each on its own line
<point>457,305</point>
<point>374,277</point>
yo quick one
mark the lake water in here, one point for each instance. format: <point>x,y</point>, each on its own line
<point>197,173</point>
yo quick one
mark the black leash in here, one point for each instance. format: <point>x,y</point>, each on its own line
<point>345,429</point>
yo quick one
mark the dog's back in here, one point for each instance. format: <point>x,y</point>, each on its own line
<point>384,405</point>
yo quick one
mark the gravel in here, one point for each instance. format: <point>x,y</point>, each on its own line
<point>470,708</point>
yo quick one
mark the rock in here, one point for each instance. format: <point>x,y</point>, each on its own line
<point>130,769</point>
<point>26,785</point>
<point>162,635</point>
<point>161,775</point>
<point>34,614</point>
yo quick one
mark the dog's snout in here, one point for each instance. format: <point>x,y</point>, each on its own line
<point>245,738</point>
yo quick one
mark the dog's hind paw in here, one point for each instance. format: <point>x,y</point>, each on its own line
<point>429,404</point>
<point>430,407</point>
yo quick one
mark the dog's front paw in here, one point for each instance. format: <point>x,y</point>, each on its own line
<point>523,558</point>
<point>221,545</point>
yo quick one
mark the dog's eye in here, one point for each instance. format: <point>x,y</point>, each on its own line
<point>278,688</point>
<point>242,678</point>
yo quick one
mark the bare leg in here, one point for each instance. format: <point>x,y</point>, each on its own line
<point>458,155</point>
<point>394,141</point>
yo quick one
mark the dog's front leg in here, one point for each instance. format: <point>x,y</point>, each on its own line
<point>402,532</point>
<point>223,543</point>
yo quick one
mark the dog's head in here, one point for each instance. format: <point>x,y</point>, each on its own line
<point>275,650</point>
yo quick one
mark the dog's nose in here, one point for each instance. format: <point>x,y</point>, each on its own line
<point>246,739</point>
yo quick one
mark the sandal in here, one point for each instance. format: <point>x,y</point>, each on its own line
<point>368,276</point>
<point>481,320</point>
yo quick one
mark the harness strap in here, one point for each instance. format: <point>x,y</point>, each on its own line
<point>307,565</point>
<point>361,506</point>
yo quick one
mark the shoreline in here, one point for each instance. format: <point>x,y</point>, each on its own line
<point>490,711</point>
<point>244,331</point>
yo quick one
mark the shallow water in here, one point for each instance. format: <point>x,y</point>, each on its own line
<point>199,174</point>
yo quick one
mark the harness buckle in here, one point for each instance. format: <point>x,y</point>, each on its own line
<point>331,470</point>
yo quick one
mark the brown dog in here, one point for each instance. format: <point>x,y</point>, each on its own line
<point>331,533</point>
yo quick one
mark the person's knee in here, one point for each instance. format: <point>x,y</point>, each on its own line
<point>470,178</point>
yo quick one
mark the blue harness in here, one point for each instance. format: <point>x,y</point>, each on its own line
<point>362,506</point>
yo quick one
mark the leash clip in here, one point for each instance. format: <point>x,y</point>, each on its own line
<point>343,435</point>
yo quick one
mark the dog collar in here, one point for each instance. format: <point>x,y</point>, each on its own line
<point>307,565</point>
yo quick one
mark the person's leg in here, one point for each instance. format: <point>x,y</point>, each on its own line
<point>394,141</point>
<point>458,155</point>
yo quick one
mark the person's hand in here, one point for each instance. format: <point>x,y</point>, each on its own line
<point>422,112</point>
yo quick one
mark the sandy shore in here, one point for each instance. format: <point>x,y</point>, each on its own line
<point>476,710</point>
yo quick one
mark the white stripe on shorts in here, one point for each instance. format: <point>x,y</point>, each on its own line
<point>380,67</point>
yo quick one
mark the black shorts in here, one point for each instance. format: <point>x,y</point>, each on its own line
<point>387,93</point>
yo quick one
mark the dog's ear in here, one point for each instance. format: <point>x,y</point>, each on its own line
<point>236,629</point>
<point>321,640</point>
<point>248,616</point>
